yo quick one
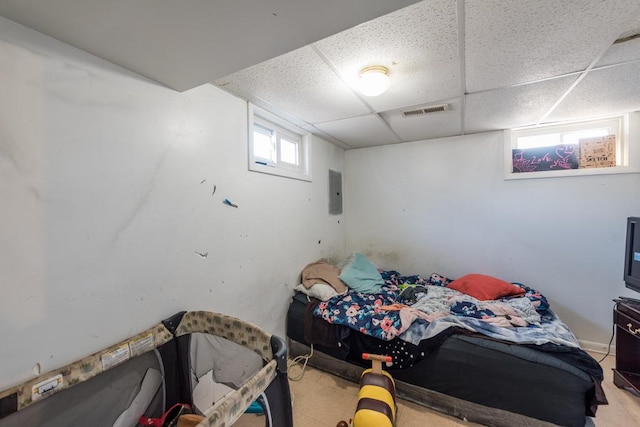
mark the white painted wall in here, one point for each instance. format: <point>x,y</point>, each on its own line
<point>443,206</point>
<point>106,185</point>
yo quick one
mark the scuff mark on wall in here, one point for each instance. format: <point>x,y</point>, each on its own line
<point>228,203</point>
<point>143,200</point>
<point>8,152</point>
<point>383,258</point>
<point>329,255</point>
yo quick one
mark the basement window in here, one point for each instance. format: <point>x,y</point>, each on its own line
<point>277,147</point>
<point>578,148</point>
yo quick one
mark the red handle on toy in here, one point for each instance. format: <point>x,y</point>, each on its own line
<point>367,356</point>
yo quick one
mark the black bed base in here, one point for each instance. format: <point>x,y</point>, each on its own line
<point>459,408</point>
<point>466,376</point>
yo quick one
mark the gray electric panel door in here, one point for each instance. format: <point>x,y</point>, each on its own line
<point>335,192</point>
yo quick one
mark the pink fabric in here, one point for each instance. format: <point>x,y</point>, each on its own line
<point>409,314</point>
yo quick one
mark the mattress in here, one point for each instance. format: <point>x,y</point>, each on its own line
<point>464,374</point>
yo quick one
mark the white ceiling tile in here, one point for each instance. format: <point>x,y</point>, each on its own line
<point>602,92</point>
<point>621,52</point>
<point>419,46</point>
<point>517,41</point>
<point>513,107</point>
<point>298,82</point>
<point>186,44</point>
<point>363,131</point>
<point>632,27</point>
<point>520,57</point>
<point>427,126</point>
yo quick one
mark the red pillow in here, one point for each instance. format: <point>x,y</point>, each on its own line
<point>484,287</point>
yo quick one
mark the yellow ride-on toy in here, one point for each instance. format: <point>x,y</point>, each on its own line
<point>377,396</point>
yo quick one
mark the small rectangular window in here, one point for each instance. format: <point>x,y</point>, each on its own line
<point>289,151</point>
<point>264,144</point>
<point>277,147</point>
<point>579,148</point>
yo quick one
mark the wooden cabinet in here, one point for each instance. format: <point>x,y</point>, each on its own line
<point>626,316</point>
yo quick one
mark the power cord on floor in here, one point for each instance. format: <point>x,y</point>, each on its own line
<point>301,363</point>
<point>609,346</point>
<point>613,332</point>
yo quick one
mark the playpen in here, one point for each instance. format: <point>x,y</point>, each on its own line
<point>217,364</point>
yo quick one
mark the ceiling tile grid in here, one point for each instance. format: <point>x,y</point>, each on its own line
<point>298,82</point>
<point>603,92</point>
<point>497,63</point>
<point>514,106</point>
<point>363,131</point>
<point>521,58</point>
<point>418,44</point>
<point>518,41</point>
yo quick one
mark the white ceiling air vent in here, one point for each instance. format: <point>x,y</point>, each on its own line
<point>426,110</point>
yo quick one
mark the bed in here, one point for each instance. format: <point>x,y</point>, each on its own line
<point>216,364</point>
<point>496,361</point>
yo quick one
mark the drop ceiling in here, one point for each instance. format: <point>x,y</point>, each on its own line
<point>496,64</point>
<point>183,44</point>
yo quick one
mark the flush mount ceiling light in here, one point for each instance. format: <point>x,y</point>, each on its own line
<point>374,80</point>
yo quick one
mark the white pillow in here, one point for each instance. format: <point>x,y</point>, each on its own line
<point>321,291</point>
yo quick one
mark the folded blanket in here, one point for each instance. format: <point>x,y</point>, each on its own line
<point>323,272</point>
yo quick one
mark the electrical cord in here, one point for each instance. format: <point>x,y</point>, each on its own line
<point>613,332</point>
<point>299,362</point>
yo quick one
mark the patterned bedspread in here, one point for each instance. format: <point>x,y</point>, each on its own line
<point>364,313</point>
<point>432,307</point>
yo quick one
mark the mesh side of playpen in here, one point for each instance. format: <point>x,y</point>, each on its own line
<point>40,389</point>
<point>227,410</point>
<point>155,360</point>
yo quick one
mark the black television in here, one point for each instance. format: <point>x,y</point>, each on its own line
<point>632,255</point>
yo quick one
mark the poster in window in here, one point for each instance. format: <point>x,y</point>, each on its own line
<point>552,158</point>
<point>598,152</point>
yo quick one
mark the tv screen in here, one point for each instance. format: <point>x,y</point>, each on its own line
<point>632,255</point>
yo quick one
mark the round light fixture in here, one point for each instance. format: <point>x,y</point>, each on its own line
<point>374,80</point>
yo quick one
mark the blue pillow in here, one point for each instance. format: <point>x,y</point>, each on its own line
<point>361,275</point>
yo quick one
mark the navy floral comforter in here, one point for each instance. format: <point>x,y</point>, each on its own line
<point>368,313</point>
<point>363,312</point>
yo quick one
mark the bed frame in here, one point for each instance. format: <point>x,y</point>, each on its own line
<point>458,408</point>
<point>469,377</point>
